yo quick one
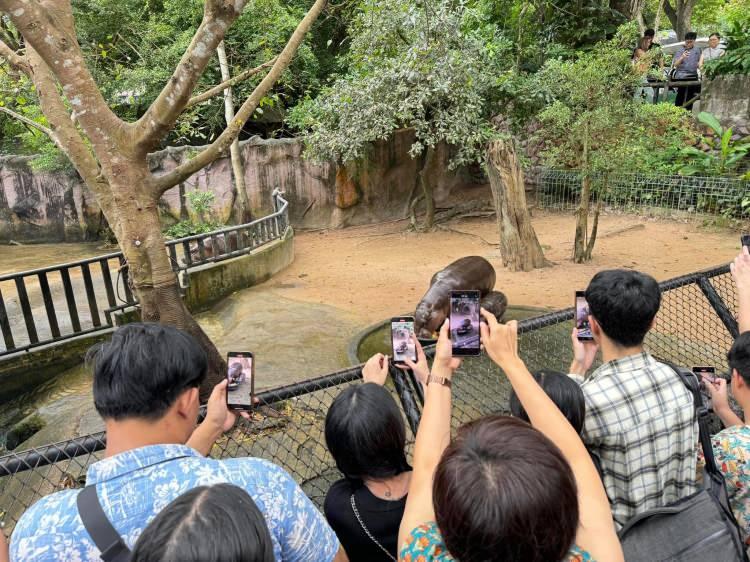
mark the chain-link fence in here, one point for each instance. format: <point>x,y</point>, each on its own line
<point>669,195</point>
<point>695,326</point>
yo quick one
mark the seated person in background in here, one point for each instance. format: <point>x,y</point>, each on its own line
<point>732,445</point>
<point>218,523</point>
<point>502,490</point>
<point>713,51</point>
<point>685,67</point>
<point>567,396</point>
<point>366,436</point>
<point>640,419</point>
<point>146,382</point>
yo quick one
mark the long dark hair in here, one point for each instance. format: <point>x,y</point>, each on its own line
<point>503,491</point>
<point>219,523</point>
<point>365,433</point>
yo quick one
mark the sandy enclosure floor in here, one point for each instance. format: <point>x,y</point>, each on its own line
<point>377,271</point>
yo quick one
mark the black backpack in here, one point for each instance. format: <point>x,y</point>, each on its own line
<point>696,528</point>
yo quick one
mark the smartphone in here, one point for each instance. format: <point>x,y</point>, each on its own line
<point>707,373</point>
<point>402,330</point>
<point>745,239</point>
<point>241,380</point>
<point>464,322</point>
<point>582,317</point>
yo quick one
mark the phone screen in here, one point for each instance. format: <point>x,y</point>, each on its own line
<point>402,330</point>
<point>464,322</point>
<point>582,317</point>
<point>240,377</point>
<point>745,239</point>
<point>708,373</point>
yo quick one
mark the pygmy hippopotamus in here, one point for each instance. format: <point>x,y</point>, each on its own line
<point>470,273</point>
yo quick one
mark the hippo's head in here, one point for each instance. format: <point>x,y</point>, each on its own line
<point>427,320</point>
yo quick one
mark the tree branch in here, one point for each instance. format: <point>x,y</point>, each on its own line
<point>208,94</point>
<point>221,144</point>
<point>160,117</point>
<point>29,122</point>
<point>671,14</point>
<point>15,60</point>
<point>47,26</point>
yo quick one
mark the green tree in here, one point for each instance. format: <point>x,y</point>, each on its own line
<point>111,153</point>
<point>419,66</point>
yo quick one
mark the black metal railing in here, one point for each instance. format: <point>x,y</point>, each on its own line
<point>694,327</point>
<point>55,303</point>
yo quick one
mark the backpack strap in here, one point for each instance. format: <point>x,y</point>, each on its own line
<point>100,529</point>
<point>690,380</point>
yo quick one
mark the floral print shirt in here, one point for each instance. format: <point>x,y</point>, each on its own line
<point>135,485</point>
<point>425,544</point>
<point>732,452</point>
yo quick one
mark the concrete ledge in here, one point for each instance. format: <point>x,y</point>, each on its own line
<point>210,283</point>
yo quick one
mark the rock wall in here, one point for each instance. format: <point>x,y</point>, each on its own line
<point>728,98</point>
<point>44,206</point>
<point>37,207</point>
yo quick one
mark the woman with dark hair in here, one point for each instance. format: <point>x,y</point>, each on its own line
<point>219,523</point>
<point>366,436</point>
<point>502,490</point>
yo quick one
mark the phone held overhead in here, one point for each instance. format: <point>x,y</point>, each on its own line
<point>464,322</point>
<point>583,325</point>
<point>402,340</point>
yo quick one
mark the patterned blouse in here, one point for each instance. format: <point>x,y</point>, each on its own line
<point>425,544</point>
<point>732,452</point>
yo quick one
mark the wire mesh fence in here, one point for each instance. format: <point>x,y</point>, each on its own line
<point>671,195</point>
<point>695,326</point>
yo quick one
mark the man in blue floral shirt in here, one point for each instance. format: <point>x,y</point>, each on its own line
<point>146,384</point>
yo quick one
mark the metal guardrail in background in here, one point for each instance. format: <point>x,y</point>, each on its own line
<point>693,327</point>
<point>104,281</point>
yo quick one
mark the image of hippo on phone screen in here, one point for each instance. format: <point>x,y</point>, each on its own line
<point>464,322</point>
<point>402,331</point>
<point>583,326</point>
<point>240,380</point>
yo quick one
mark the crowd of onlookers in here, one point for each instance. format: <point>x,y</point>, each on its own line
<point>581,455</point>
<point>685,69</point>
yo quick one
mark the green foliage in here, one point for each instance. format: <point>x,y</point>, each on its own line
<point>725,158</point>
<point>408,67</point>
<point>200,204</point>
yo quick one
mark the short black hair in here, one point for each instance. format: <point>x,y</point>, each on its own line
<point>691,35</point>
<point>738,356</point>
<point>714,34</point>
<point>143,369</point>
<point>220,522</point>
<point>365,433</point>
<point>624,303</point>
<point>649,33</point>
<point>504,491</point>
<point>563,391</point>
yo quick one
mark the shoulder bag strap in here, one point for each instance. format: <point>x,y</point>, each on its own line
<point>701,413</point>
<point>105,536</point>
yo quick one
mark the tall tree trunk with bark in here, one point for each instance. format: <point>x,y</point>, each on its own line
<point>112,155</point>
<point>582,214</point>
<point>519,246</point>
<point>680,14</point>
<point>427,189</point>
<point>241,206</point>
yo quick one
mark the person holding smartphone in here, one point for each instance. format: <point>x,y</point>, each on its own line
<point>502,489</point>
<point>366,436</point>
<point>685,68</point>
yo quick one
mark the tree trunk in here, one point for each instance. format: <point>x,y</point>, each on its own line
<point>680,16</point>
<point>582,214</point>
<point>138,230</point>
<point>241,207</point>
<point>429,199</point>
<point>519,246</point>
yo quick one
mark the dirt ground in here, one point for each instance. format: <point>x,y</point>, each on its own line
<point>377,271</point>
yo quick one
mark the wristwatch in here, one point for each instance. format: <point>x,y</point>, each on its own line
<point>440,380</point>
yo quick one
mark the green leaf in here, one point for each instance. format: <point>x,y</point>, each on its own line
<point>708,119</point>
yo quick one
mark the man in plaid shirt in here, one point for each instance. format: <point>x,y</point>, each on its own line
<point>639,414</point>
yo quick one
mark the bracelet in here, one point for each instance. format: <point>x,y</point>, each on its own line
<point>440,380</point>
